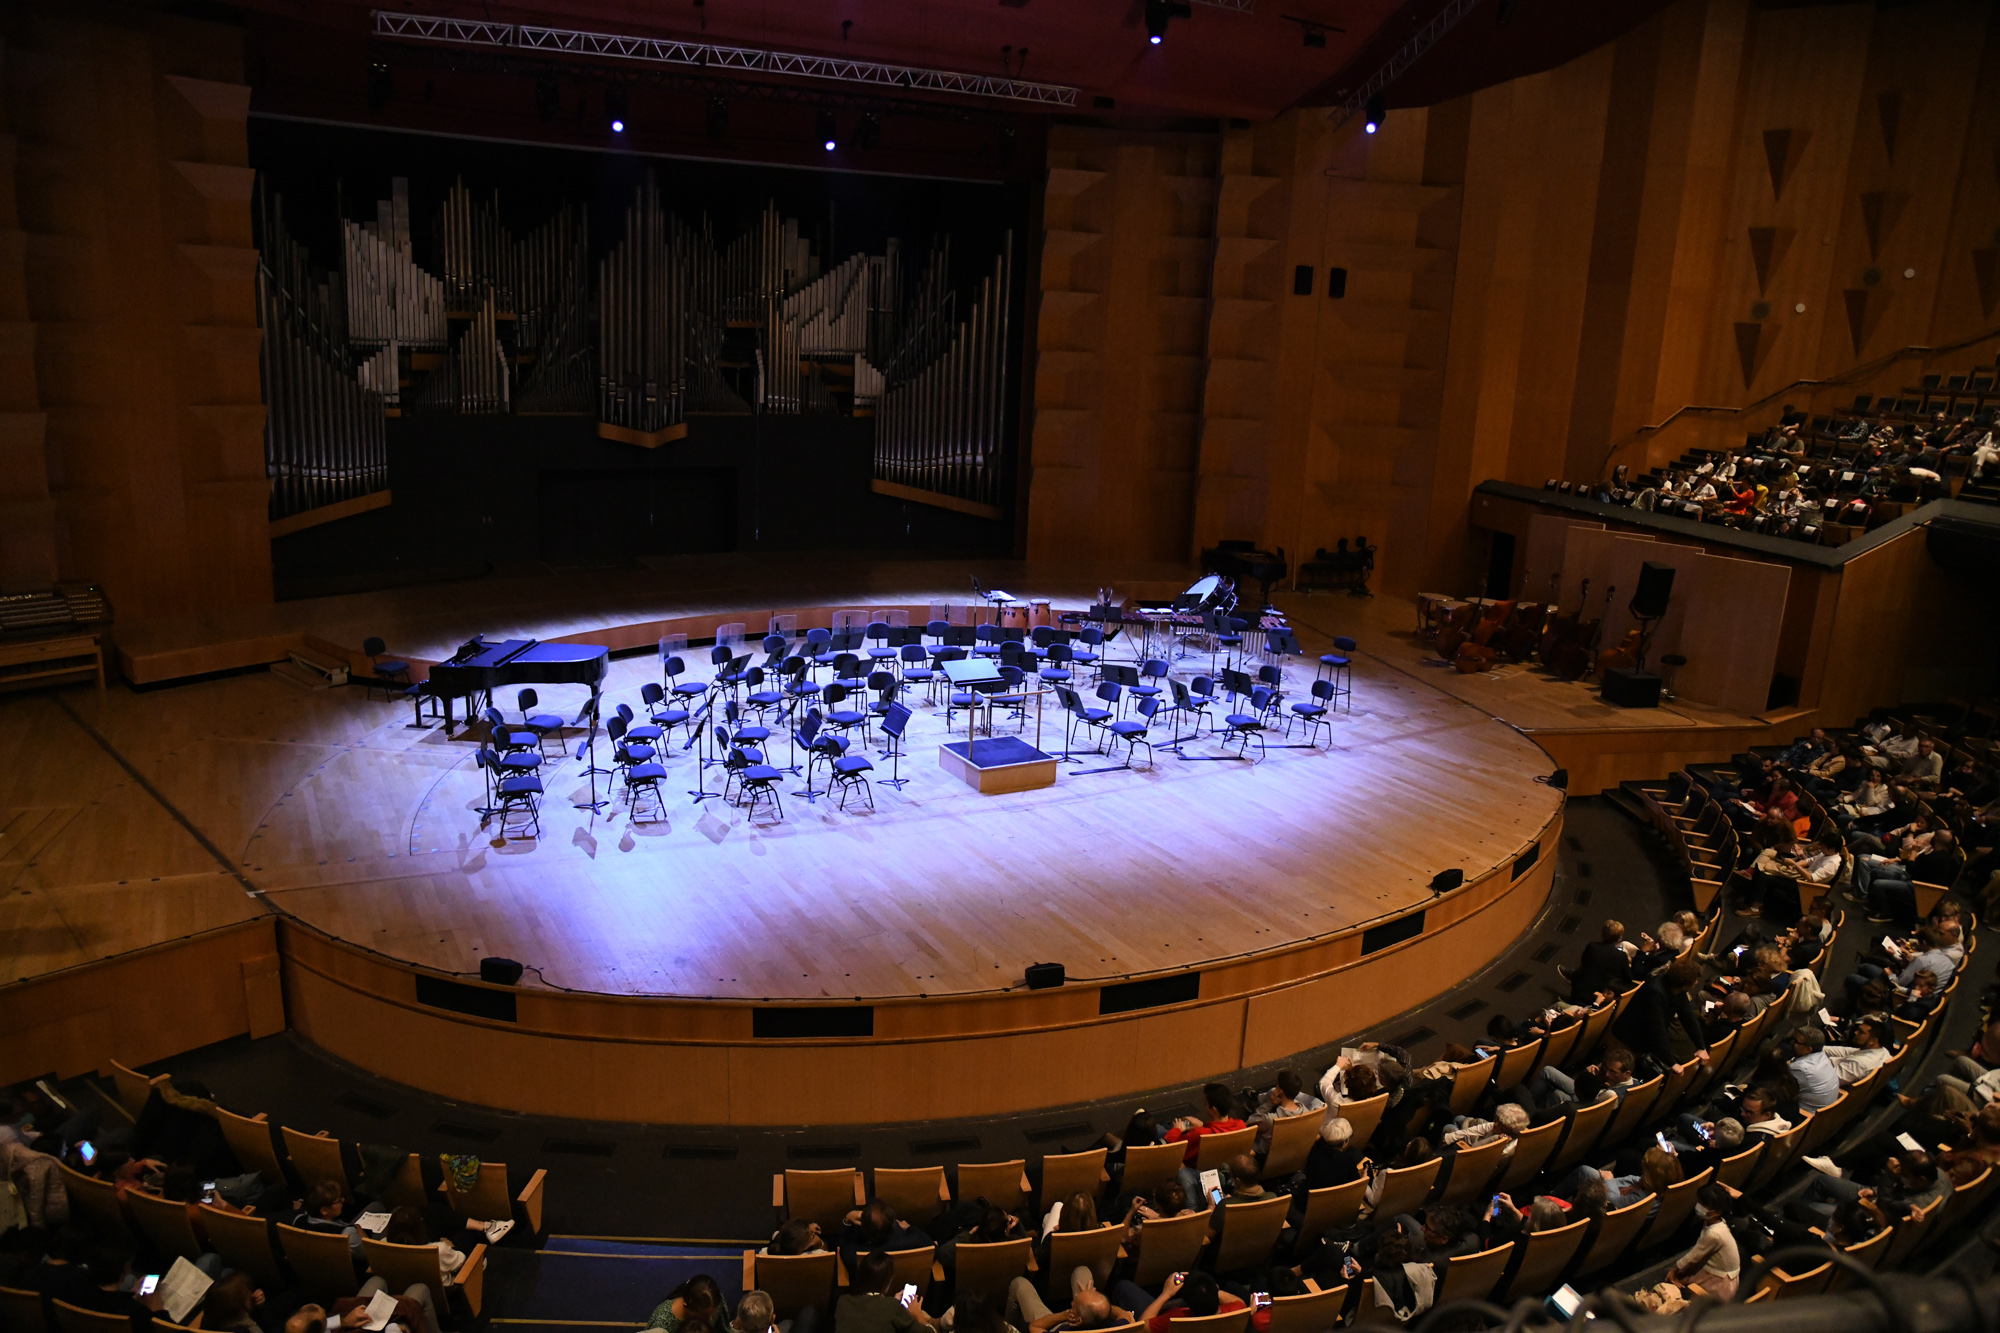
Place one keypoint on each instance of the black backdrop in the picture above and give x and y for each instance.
(479, 492)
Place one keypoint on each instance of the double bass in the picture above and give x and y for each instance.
(1457, 627)
(1575, 656)
(1561, 627)
(1477, 652)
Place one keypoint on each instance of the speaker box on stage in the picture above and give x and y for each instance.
(1629, 688)
(1656, 585)
(1044, 976)
(500, 971)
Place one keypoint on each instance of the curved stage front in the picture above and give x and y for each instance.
(857, 966)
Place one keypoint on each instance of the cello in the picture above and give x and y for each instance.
(1457, 626)
(1561, 626)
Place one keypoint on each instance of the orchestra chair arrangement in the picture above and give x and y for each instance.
(544, 725)
(1244, 727)
(755, 780)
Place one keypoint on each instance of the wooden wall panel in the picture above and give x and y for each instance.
(133, 192)
(1904, 631)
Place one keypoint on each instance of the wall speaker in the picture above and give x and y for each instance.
(1045, 976)
(1559, 779)
(1656, 585)
(1447, 880)
(1631, 688)
(499, 971)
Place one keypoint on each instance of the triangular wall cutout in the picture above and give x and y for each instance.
(1859, 324)
(1880, 211)
(1889, 106)
(1767, 250)
(1986, 272)
(1781, 152)
(1750, 350)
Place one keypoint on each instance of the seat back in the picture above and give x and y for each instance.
(76, 1319)
(1363, 1116)
(1615, 1234)
(1473, 1170)
(1867, 1253)
(1585, 1128)
(165, 1223)
(1214, 1150)
(1470, 1081)
(1472, 1277)
(1514, 1064)
(1330, 1207)
(1314, 1312)
(1229, 1321)
(1291, 1140)
(1169, 1245)
(1634, 1108)
(913, 1268)
(1407, 1187)
(796, 1281)
(244, 1242)
(21, 1311)
(985, 1270)
(916, 1193)
(1064, 1174)
(1544, 1256)
(1147, 1164)
(1556, 1047)
(96, 1201)
(403, 1266)
(406, 1186)
(489, 1199)
(1250, 1232)
(824, 1197)
(1910, 1234)
(1785, 1286)
(1531, 1150)
(321, 1260)
(134, 1088)
(1004, 1184)
(1735, 1170)
(1675, 1204)
(316, 1157)
(1095, 1249)
(1778, 1153)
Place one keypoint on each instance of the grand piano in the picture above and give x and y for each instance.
(479, 667)
(1242, 561)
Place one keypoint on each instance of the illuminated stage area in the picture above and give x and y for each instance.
(1210, 911)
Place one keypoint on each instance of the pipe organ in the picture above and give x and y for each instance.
(664, 322)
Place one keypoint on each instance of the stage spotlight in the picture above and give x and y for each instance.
(1157, 14)
(718, 117)
(1377, 109)
(381, 85)
(868, 133)
(829, 138)
(548, 100)
(615, 107)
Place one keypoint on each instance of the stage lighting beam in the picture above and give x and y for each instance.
(1377, 112)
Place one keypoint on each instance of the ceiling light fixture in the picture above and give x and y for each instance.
(1377, 110)
(828, 131)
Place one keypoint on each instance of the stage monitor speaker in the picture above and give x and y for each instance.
(1656, 585)
(501, 971)
(1560, 779)
(1630, 688)
(1045, 976)
(1447, 880)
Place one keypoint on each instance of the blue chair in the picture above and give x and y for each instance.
(818, 651)
(752, 735)
(1273, 675)
(916, 669)
(1057, 672)
(986, 641)
(663, 716)
(958, 701)
(774, 646)
(387, 674)
(847, 672)
(625, 755)
(1012, 695)
(1338, 667)
(761, 698)
(644, 780)
(1135, 731)
(1313, 714)
(1080, 712)
(939, 630)
(1091, 638)
(1201, 696)
(543, 725)
(522, 792)
(755, 779)
(885, 685)
(1243, 727)
(878, 637)
(800, 687)
(1151, 673)
(1038, 641)
(720, 657)
(842, 716)
(643, 733)
(687, 691)
(850, 771)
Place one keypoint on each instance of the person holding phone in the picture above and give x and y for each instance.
(877, 1303)
(1184, 1294)
(113, 1288)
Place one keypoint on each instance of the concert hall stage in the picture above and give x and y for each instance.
(321, 865)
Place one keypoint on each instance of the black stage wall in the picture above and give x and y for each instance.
(475, 493)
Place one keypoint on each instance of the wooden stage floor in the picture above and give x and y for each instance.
(130, 819)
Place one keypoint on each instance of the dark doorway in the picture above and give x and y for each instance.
(611, 517)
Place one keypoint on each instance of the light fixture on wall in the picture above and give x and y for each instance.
(1159, 12)
(829, 137)
(615, 107)
(1377, 110)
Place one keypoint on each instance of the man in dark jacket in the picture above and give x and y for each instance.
(1604, 966)
(1646, 1025)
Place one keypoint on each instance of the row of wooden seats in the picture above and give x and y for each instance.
(1886, 1249)
(21, 1312)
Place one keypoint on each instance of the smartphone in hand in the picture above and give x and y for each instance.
(909, 1296)
(148, 1283)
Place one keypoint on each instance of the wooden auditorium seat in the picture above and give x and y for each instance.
(1292, 1139)
(1064, 1174)
(794, 1281)
(1472, 1277)
(1169, 1245)
(1250, 1233)
(402, 1266)
(916, 1193)
(244, 1242)
(1314, 1312)
(317, 1157)
(985, 1270)
(1004, 1184)
(489, 1200)
(1147, 1164)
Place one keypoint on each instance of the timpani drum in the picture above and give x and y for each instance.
(1014, 615)
(1039, 614)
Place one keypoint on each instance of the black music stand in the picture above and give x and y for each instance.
(589, 757)
(701, 792)
(894, 719)
(591, 770)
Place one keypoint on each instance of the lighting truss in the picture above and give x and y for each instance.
(721, 59)
(1404, 56)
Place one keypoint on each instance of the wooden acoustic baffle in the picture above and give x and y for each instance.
(27, 511)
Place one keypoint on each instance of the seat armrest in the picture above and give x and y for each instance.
(778, 1191)
(530, 1200)
(749, 1270)
(471, 1278)
(861, 1194)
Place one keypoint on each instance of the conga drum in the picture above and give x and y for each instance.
(1014, 615)
(1038, 613)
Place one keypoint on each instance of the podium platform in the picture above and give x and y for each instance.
(997, 764)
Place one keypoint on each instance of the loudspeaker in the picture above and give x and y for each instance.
(1559, 779)
(501, 971)
(1044, 976)
(1631, 688)
(1447, 880)
(1656, 584)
